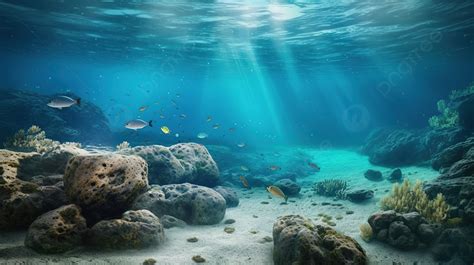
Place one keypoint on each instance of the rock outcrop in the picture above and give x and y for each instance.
(135, 230)
(230, 195)
(180, 163)
(105, 185)
(297, 240)
(57, 231)
(191, 203)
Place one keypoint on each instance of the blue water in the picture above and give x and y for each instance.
(314, 73)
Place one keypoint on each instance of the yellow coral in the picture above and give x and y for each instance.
(366, 232)
(34, 139)
(123, 145)
(405, 199)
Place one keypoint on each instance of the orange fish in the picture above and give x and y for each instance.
(313, 165)
(245, 183)
(274, 168)
(274, 190)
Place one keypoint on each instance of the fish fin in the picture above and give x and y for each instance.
(150, 123)
(78, 101)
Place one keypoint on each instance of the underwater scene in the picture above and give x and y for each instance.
(237, 132)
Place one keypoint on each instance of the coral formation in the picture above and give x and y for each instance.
(331, 188)
(404, 199)
(34, 139)
(123, 145)
(459, 93)
(448, 117)
(366, 232)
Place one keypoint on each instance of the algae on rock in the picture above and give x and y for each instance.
(405, 199)
(448, 117)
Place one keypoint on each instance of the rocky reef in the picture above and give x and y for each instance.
(297, 240)
(19, 109)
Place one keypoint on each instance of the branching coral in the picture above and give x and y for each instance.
(404, 199)
(123, 145)
(366, 232)
(331, 188)
(458, 93)
(448, 117)
(34, 139)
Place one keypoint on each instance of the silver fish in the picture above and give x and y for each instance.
(138, 124)
(63, 102)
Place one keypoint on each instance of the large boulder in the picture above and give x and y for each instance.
(180, 163)
(20, 109)
(191, 203)
(136, 229)
(297, 240)
(288, 186)
(105, 185)
(230, 195)
(57, 231)
(373, 175)
(447, 157)
(22, 201)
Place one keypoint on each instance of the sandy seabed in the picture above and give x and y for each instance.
(253, 221)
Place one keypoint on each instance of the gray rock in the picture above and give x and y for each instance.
(170, 222)
(359, 195)
(426, 233)
(135, 230)
(105, 185)
(191, 203)
(382, 220)
(57, 231)
(373, 175)
(447, 157)
(412, 220)
(296, 240)
(401, 237)
(395, 176)
(289, 187)
(230, 195)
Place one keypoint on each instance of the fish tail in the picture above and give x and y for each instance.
(150, 123)
(78, 101)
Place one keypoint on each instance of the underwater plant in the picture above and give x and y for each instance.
(331, 188)
(458, 93)
(123, 145)
(366, 232)
(405, 198)
(448, 117)
(34, 139)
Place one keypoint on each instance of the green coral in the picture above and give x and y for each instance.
(458, 93)
(331, 188)
(366, 232)
(448, 117)
(405, 198)
(34, 139)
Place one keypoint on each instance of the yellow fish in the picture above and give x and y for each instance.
(274, 190)
(245, 183)
(143, 108)
(165, 129)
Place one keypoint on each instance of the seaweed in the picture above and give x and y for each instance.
(405, 198)
(366, 232)
(331, 188)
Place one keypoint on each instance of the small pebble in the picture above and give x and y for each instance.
(247, 197)
(265, 239)
(192, 239)
(331, 223)
(264, 202)
(253, 232)
(255, 216)
(292, 201)
(198, 259)
(338, 217)
(349, 212)
(229, 230)
(229, 221)
(283, 203)
(150, 261)
(314, 204)
(386, 190)
(325, 203)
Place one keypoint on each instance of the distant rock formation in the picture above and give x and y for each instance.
(20, 109)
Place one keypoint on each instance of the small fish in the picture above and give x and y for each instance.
(177, 135)
(274, 190)
(143, 108)
(183, 116)
(241, 145)
(174, 102)
(202, 135)
(314, 165)
(244, 168)
(63, 102)
(137, 124)
(165, 129)
(245, 183)
(162, 116)
(274, 168)
(209, 118)
(231, 129)
(216, 126)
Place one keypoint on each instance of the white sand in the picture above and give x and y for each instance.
(243, 247)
